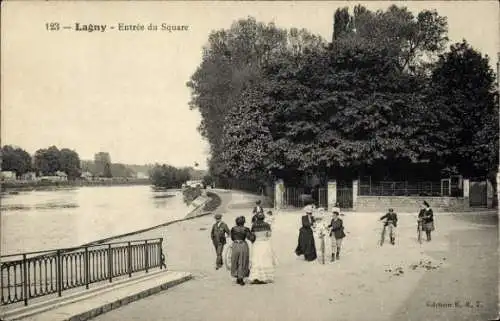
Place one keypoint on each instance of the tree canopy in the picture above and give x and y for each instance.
(16, 159)
(278, 102)
(167, 176)
(49, 160)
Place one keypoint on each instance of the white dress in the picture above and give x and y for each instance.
(262, 258)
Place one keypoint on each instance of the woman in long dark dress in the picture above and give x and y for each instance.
(427, 217)
(240, 257)
(306, 245)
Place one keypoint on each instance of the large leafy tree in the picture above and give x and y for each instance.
(167, 176)
(326, 111)
(69, 163)
(413, 41)
(465, 111)
(47, 161)
(15, 159)
(232, 61)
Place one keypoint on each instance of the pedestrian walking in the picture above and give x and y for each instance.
(219, 232)
(240, 257)
(263, 260)
(336, 235)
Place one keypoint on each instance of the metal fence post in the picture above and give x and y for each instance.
(162, 263)
(146, 250)
(129, 260)
(25, 280)
(59, 273)
(87, 268)
(110, 263)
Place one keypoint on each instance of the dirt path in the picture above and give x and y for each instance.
(364, 285)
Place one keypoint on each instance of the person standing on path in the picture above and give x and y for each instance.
(240, 256)
(306, 245)
(427, 216)
(218, 236)
(336, 234)
(269, 217)
(391, 222)
(336, 208)
(256, 211)
(262, 270)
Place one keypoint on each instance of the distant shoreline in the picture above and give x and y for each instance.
(39, 185)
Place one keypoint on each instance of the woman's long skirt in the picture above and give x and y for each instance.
(306, 245)
(263, 261)
(429, 226)
(240, 260)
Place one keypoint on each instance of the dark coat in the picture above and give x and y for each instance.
(218, 233)
(337, 229)
(306, 245)
(256, 211)
(391, 217)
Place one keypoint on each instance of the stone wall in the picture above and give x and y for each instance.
(410, 203)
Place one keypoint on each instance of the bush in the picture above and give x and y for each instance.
(190, 194)
(213, 203)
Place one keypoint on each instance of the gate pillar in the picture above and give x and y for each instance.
(489, 194)
(332, 194)
(355, 187)
(279, 191)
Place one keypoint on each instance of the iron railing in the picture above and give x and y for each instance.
(297, 197)
(403, 188)
(32, 275)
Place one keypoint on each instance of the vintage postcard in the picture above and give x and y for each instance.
(249, 160)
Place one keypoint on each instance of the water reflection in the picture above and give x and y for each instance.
(38, 220)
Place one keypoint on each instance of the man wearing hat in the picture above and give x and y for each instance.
(391, 222)
(218, 235)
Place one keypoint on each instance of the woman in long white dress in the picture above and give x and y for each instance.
(262, 258)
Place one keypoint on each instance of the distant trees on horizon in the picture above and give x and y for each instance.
(48, 161)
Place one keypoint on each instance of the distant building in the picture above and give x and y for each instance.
(8, 175)
(194, 183)
(142, 175)
(57, 177)
(29, 176)
(87, 176)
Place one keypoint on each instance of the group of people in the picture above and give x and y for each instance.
(425, 221)
(259, 268)
(306, 244)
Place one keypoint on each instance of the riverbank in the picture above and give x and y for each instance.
(13, 186)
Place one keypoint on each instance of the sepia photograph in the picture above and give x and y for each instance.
(249, 160)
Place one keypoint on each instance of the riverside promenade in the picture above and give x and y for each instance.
(455, 277)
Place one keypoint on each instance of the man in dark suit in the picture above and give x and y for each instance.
(391, 222)
(218, 236)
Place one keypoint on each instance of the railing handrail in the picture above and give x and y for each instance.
(25, 278)
(54, 251)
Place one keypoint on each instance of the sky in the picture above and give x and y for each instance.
(124, 92)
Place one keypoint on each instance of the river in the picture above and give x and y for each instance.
(43, 220)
